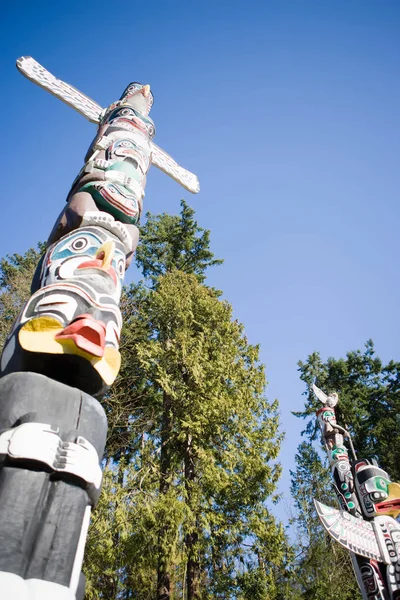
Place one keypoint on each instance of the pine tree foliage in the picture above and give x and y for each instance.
(174, 242)
(16, 273)
(189, 417)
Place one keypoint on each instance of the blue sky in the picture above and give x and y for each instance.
(288, 111)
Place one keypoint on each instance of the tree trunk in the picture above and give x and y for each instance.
(193, 565)
(163, 574)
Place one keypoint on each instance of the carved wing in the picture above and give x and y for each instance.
(34, 71)
(354, 534)
(320, 394)
(166, 163)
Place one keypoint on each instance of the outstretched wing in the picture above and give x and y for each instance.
(354, 534)
(320, 394)
(34, 71)
(166, 163)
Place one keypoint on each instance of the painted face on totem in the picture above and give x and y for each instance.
(139, 96)
(339, 452)
(128, 118)
(70, 319)
(327, 415)
(128, 148)
(89, 257)
(376, 493)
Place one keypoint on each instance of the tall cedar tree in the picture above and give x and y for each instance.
(193, 441)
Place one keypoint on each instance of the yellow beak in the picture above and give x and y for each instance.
(146, 90)
(391, 506)
(105, 253)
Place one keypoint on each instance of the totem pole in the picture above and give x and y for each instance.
(62, 353)
(369, 504)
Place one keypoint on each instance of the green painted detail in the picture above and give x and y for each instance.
(344, 486)
(351, 504)
(102, 204)
(347, 495)
(126, 167)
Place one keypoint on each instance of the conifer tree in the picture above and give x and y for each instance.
(194, 435)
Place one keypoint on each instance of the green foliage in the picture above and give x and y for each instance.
(174, 242)
(16, 273)
(193, 353)
(199, 441)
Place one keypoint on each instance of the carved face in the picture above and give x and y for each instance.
(372, 484)
(339, 452)
(139, 96)
(89, 256)
(127, 117)
(128, 148)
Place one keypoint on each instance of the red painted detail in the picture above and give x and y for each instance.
(359, 465)
(386, 505)
(87, 333)
(97, 263)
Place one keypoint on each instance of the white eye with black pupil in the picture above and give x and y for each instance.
(79, 244)
(121, 267)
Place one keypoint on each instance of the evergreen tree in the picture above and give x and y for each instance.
(16, 273)
(189, 417)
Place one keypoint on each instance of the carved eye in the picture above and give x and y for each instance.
(79, 244)
(126, 111)
(121, 267)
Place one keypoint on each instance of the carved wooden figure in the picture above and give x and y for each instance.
(369, 504)
(62, 353)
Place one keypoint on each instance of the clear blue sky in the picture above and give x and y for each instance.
(288, 111)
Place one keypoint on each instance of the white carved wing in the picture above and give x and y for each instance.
(320, 394)
(34, 71)
(352, 533)
(166, 163)
(87, 107)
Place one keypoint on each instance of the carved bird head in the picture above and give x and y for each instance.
(139, 97)
(330, 400)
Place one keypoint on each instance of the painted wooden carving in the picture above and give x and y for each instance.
(369, 503)
(62, 353)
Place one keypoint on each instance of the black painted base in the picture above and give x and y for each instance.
(43, 515)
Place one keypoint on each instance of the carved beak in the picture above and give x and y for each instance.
(391, 506)
(103, 260)
(145, 90)
(105, 254)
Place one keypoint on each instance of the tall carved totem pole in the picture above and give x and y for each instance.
(62, 354)
(369, 504)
